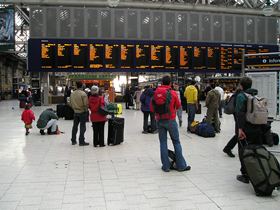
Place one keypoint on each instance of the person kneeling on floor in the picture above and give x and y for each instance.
(48, 120)
(164, 104)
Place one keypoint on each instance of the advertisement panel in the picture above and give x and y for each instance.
(7, 28)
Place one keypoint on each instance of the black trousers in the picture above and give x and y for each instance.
(79, 118)
(146, 120)
(231, 144)
(98, 133)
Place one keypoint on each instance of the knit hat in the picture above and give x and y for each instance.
(94, 89)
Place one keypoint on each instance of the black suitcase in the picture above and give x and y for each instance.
(275, 138)
(60, 110)
(68, 113)
(115, 131)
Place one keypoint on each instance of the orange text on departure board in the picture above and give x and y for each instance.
(92, 53)
(196, 52)
(183, 56)
(45, 51)
(139, 51)
(210, 52)
(154, 51)
(77, 50)
(124, 52)
(108, 51)
(168, 56)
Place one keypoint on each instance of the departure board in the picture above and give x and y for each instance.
(213, 58)
(199, 58)
(63, 59)
(171, 57)
(48, 55)
(185, 57)
(127, 56)
(88, 55)
(96, 55)
(80, 56)
(226, 59)
(237, 55)
(142, 56)
(112, 53)
(157, 56)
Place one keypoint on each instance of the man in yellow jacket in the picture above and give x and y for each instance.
(191, 94)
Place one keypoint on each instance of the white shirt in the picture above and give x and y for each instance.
(221, 91)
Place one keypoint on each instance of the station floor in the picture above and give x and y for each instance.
(47, 172)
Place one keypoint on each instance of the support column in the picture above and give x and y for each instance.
(45, 88)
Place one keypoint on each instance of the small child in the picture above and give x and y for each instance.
(27, 117)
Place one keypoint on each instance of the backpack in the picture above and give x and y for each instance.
(262, 168)
(257, 112)
(161, 101)
(205, 129)
(229, 107)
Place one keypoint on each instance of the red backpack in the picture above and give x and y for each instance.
(161, 101)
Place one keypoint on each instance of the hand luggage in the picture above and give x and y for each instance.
(60, 110)
(115, 131)
(262, 168)
(205, 129)
(68, 113)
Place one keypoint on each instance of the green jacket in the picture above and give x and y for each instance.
(45, 117)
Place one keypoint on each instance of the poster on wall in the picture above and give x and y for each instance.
(7, 25)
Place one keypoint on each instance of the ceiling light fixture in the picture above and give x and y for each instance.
(268, 9)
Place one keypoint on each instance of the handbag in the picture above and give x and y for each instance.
(102, 110)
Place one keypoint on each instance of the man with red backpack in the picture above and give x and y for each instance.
(164, 104)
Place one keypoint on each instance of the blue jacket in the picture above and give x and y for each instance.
(145, 99)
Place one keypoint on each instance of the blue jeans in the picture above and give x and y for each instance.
(79, 118)
(191, 113)
(172, 127)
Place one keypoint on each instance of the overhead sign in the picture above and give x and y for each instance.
(70, 55)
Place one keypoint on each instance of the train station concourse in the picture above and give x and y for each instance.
(139, 104)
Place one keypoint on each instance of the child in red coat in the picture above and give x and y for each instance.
(27, 117)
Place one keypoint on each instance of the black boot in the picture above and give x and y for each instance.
(42, 132)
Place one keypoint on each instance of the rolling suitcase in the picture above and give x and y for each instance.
(262, 168)
(68, 113)
(115, 131)
(60, 110)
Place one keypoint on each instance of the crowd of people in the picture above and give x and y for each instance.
(160, 107)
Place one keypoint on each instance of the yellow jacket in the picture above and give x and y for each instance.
(191, 94)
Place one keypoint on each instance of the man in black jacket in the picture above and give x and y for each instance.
(247, 133)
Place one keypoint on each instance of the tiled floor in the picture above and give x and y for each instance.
(47, 172)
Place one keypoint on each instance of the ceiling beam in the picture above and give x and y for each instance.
(144, 5)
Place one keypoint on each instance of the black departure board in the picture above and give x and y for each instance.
(144, 56)
(213, 58)
(96, 55)
(127, 56)
(157, 56)
(63, 56)
(171, 57)
(199, 58)
(226, 57)
(112, 54)
(48, 57)
(80, 56)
